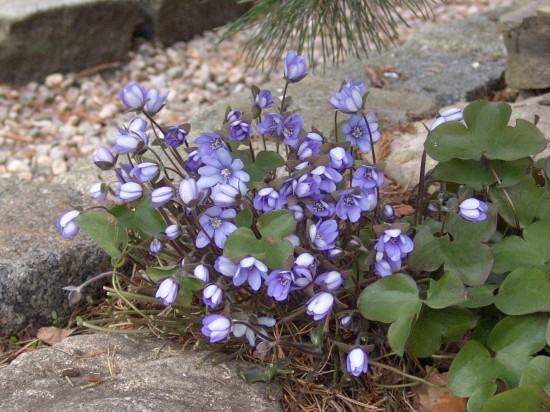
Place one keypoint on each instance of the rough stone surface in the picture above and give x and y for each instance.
(462, 60)
(134, 374)
(42, 37)
(527, 39)
(35, 261)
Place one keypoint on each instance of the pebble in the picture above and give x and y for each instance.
(46, 127)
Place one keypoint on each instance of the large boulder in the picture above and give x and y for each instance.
(35, 261)
(527, 38)
(100, 373)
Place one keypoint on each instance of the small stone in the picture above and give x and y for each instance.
(108, 111)
(59, 166)
(54, 80)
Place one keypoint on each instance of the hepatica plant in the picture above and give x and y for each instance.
(265, 234)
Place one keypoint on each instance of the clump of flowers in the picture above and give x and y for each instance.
(275, 236)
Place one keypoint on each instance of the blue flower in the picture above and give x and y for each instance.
(145, 172)
(208, 143)
(212, 295)
(104, 159)
(201, 272)
(279, 283)
(295, 67)
(367, 177)
(66, 224)
(389, 213)
(225, 266)
(357, 362)
(172, 232)
(123, 173)
(350, 97)
(320, 207)
(161, 196)
(330, 280)
(239, 130)
(222, 168)
(340, 159)
(128, 192)
(345, 321)
(289, 129)
(270, 124)
(215, 226)
(233, 116)
(351, 204)
(188, 190)
(263, 99)
(305, 185)
(358, 133)
(328, 177)
(252, 270)
(266, 199)
(323, 234)
(453, 114)
(473, 210)
(310, 146)
(320, 305)
(130, 141)
(394, 244)
(168, 291)
(225, 195)
(155, 247)
(304, 269)
(99, 191)
(175, 137)
(216, 327)
(384, 266)
(137, 98)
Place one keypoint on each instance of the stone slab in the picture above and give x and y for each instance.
(135, 374)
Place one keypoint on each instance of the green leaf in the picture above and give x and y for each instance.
(536, 235)
(471, 367)
(392, 299)
(256, 374)
(102, 227)
(537, 372)
(244, 218)
(519, 335)
(266, 161)
(524, 291)
(509, 368)
(471, 261)
(481, 394)
(548, 333)
(158, 273)
(461, 228)
(452, 140)
(276, 224)
(471, 173)
(447, 291)
(512, 253)
(427, 254)
(276, 253)
(433, 326)
(145, 220)
(524, 399)
(189, 283)
(480, 296)
(525, 196)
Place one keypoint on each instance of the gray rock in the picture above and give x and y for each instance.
(180, 20)
(527, 39)
(35, 261)
(136, 374)
(459, 61)
(40, 37)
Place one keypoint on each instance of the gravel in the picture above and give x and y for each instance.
(46, 127)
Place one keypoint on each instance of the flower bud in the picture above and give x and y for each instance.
(66, 224)
(357, 362)
(473, 210)
(168, 291)
(172, 232)
(161, 195)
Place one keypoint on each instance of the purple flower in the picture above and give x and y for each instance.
(175, 137)
(384, 266)
(104, 159)
(295, 67)
(270, 124)
(123, 173)
(145, 172)
(156, 246)
(201, 272)
(310, 146)
(225, 266)
(351, 204)
(339, 158)
(222, 168)
(168, 291)
(357, 362)
(394, 244)
(330, 280)
(66, 224)
(215, 226)
(453, 114)
(216, 327)
(389, 213)
(358, 132)
(473, 210)
(305, 186)
(367, 177)
(239, 130)
(320, 207)
(233, 116)
(328, 177)
(212, 295)
(161, 196)
(99, 191)
(350, 97)
(304, 269)
(172, 232)
(263, 99)
(135, 97)
(208, 143)
(130, 141)
(128, 192)
(225, 195)
(345, 321)
(193, 162)
(289, 129)
(266, 199)
(279, 283)
(188, 190)
(298, 212)
(323, 234)
(320, 305)
(252, 270)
